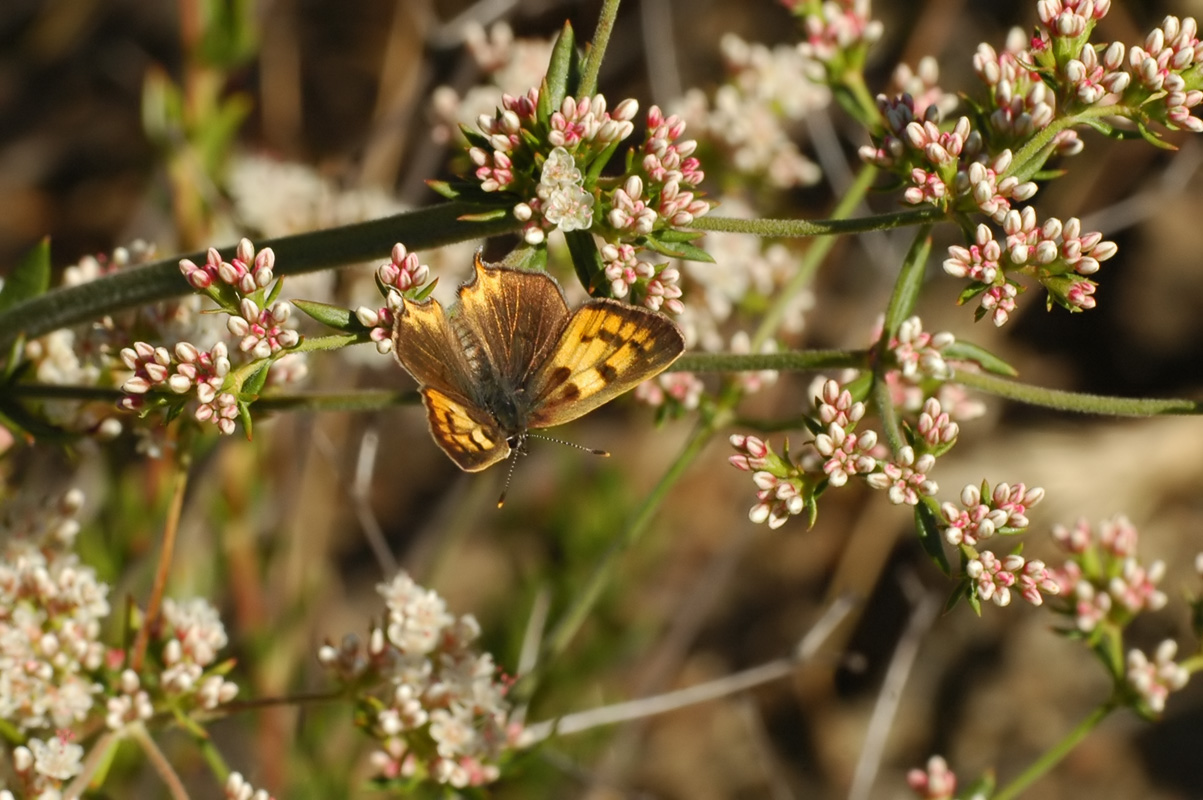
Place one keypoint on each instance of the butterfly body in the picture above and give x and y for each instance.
(511, 356)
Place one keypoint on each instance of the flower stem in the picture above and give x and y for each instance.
(821, 227)
(794, 360)
(1075, 401)
(171, 527)
(1054, 754)
(597, 48)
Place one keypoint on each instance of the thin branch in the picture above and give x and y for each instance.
(1075, 401)
(702, 692)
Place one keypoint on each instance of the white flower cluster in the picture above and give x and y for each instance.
(445, 716)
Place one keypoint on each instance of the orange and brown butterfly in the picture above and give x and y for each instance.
(511, 356)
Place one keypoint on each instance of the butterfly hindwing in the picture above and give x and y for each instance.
(606, 349)
(466, 433)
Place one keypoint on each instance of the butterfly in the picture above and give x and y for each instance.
(511, 356)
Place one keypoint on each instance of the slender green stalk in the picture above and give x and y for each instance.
(597, 48)
(1053, 755)
(1075, 401)
(798, 360)
(305, 252)
(822, 227)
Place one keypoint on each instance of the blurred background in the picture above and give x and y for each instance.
(192, 124)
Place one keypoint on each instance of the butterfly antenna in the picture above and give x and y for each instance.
(604, 453)
(509, 474)
(520, 449)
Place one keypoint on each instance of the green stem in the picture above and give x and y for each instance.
(1075, 401)
(597, 48)
(1054, 755)
(305, 252)
(822, 227)
(794, 360)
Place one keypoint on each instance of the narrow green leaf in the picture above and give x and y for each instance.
(426, 290)
(486, 216)
(586, 260)
(337, 317)
(1151, 136)
(682, 250)
(253, 385)
(968, 351)
(443, 189)
(559, 69)
(906, 288)
(678, 235)
(928, 526)
(31, 277)
(244, 415)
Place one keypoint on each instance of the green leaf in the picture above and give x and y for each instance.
(682, 250)
(244, 414)
(679, 235)
(426, 290)
(336, 317)
(599, 162)
(253, 385)
(1152, 138)
(906, 288)
(443, 189)
(485, 216)
(559, 71)
(968, 351)
(586, 260)
(928, 526)
(31, 277)
(532, 258)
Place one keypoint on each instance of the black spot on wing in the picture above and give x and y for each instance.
(570, 392)
(560, 375)
(607, 373)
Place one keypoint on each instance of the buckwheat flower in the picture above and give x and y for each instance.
(663, 291)
(993, 578)
(237, 788)
(937, 782)
(51, 612)
(979, 262)
(838, 27)
(569, 208)
(623, 268)
(198, 628)
(416, 615)
(1070, 18)
(999, 303)
(751, 452)
(834, 405)
(629, 211)
(846, 453)
(1153, 682)
(442, 716)
(905, 479)
(935, 426)
(403, 272)
(1136, 588)
(918, 353)
(58, 759)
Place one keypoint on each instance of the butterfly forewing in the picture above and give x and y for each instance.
(607, 348)
(429, 349)
(516, 317)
